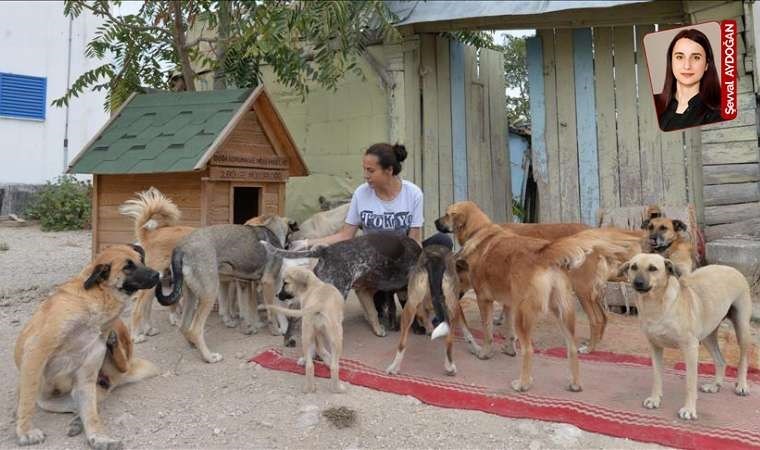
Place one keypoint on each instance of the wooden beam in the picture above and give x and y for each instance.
(716, 215)
(731, 173)
(445, 156)
(609, 178)
(567, 138)
(585, 105)
(430, 175)
(627, 117)
(726, 194)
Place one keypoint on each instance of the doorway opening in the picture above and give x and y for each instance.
(245, 203)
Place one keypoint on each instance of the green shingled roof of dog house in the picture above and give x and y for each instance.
(164, 132)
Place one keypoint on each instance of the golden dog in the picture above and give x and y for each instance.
(321, 316)
(155, 220)
(589, 280)
(664, 238)
(526, 275)
(682, 312)
(64, 343)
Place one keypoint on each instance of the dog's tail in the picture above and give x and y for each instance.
(150, 210)
(317, 252)
(177, 280)
(570, 252)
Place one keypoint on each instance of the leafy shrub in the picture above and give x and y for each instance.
(63, 205)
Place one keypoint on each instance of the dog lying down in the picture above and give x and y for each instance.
(681, 311)
(321, 316)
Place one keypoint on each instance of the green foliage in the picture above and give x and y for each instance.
(63, 205)
(516, 79)
(518, 210)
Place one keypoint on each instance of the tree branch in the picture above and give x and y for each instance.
(196, 41)
(118, 20)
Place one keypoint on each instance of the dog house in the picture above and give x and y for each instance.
(221, 156)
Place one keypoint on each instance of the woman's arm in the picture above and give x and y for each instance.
(416, 234)
(347, 232)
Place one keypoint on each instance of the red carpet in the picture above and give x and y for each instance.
(614, 388)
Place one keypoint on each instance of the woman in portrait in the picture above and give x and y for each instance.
(691, 92)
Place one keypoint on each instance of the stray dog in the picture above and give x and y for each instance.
(120, 367)
(155, 220)
(321, 316)
(65, 341)
(433, 281)
(197, 259)
(589, 280)
(526, 275)
(665, 239)
(367, 263)
(682, 312)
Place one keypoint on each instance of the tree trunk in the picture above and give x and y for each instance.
(179, 43)
(220, 80)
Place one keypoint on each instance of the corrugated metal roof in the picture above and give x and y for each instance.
(165, 132)
(419, 11)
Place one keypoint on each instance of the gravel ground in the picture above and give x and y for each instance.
(233, 404)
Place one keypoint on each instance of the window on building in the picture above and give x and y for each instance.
(22, 96)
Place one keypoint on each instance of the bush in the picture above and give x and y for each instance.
(63, 205)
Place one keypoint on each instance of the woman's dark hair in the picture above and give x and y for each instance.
(709, 86)
(388, 155)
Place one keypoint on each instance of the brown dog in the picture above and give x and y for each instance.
(678, 311)
(156, 230)
(526, 275)
(321, 316)
(65, 341)
(665, 238)
(589, 280)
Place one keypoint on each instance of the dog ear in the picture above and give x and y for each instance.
(293, 226)
(672, 268)
(678, 225)
(99, 273)
(139, 250)
(645, 224)
(623, 270)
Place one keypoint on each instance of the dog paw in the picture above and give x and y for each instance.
(573, 387)
(742, 389)
(247, 329)
(710, 387)
(380, 331)
(34, 436)
(485, 354)
(230, 323)
(652, 402)
(76, 426)
(451, 370)
(214, 358)
(274, 330)
(289, 342)
(584, 349)
(138, 338)
(174, 319)
(393, 369)
(519, 386)
(309, 388)
(152, 331)
(509, 349)
(687, 413)
(98, 442)
(337, 388)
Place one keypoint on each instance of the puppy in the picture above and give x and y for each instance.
(665, 238)
(65, 341)
(682, 312)
(321, 316)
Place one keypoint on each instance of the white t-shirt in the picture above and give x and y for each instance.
(375, 215)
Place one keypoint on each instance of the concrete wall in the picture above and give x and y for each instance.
(34, 38)
(332, 130)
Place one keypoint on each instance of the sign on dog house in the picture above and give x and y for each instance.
(221, 156)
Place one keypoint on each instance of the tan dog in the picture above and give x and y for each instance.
(321, 316)
(665, 238)
(682, 312)
(589, 280)
(120, 367)
(64, 343)
(526, 275)
(156, 230)
(433, 283)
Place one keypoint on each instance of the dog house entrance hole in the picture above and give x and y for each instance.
(245, 203)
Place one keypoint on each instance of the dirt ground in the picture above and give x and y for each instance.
(233, 404)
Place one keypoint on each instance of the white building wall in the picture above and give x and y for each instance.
(34, 41)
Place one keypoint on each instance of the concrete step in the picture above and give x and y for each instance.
(742, 253)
